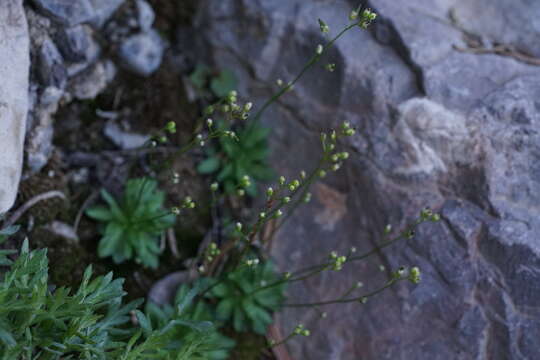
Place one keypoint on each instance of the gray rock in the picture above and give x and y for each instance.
(66, 12)
(103, 10)
(122, 138)
(146, 15)
(51, 68)
(14, 72)
(89, 83)
(438, 127)
(77, 44)
(142, 53)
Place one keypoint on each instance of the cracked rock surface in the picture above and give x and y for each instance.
(444, 95)
(14, 72)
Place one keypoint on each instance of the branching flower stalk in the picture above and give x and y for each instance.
(365, 20)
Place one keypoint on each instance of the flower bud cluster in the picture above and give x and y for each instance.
(347, 130)
(324, 27)
(301, 330)
(245, 182)
(252, 262)
(170, 127)
(367, 17)
(337, 261)
(212, 251)
(188, 203)
(427, 215)
(414, 275)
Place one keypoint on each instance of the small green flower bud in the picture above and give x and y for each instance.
(282, 180)
(333, 135)
(302, 174)
(248, 106)
(175, 210)
(233, 93)
(319, 49)
(279, 82)
(278, 213)
(388, 229)
(162, 139)
(287, 275)
(199, 137)
(324, 28)
(269, 192)
(363, 300)
(336, 167)
(262, 215)
(414, 275)
(209, 110)
(307, 198)
(240, 192)
(330, 67)
(349, 132)
(344, 155)
(322, 173)
(225, 108)
(353, 15)
(435, 217)
(171, 127)
(335, 158)
(305, 332)
(214, 186)
(209, 122)
(201, 143)
(359, 284)
(286, 200)
(238, 226)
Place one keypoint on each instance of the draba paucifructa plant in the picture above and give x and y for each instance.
(133, 225)
(282, 199)
(243, 302)
(186, 308)
(234, 159)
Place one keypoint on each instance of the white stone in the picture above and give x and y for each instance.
(14, 71)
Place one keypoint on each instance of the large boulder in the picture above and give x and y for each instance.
(445, 121)
(14, 72)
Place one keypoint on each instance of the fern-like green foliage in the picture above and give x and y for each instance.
(133, 225)
(242, 304)
(38, 322)
(232, 159)
(215, 347)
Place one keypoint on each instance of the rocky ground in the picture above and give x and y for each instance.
(444, 95)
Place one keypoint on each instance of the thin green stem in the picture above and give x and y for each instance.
(313, 60)
(355, 299)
